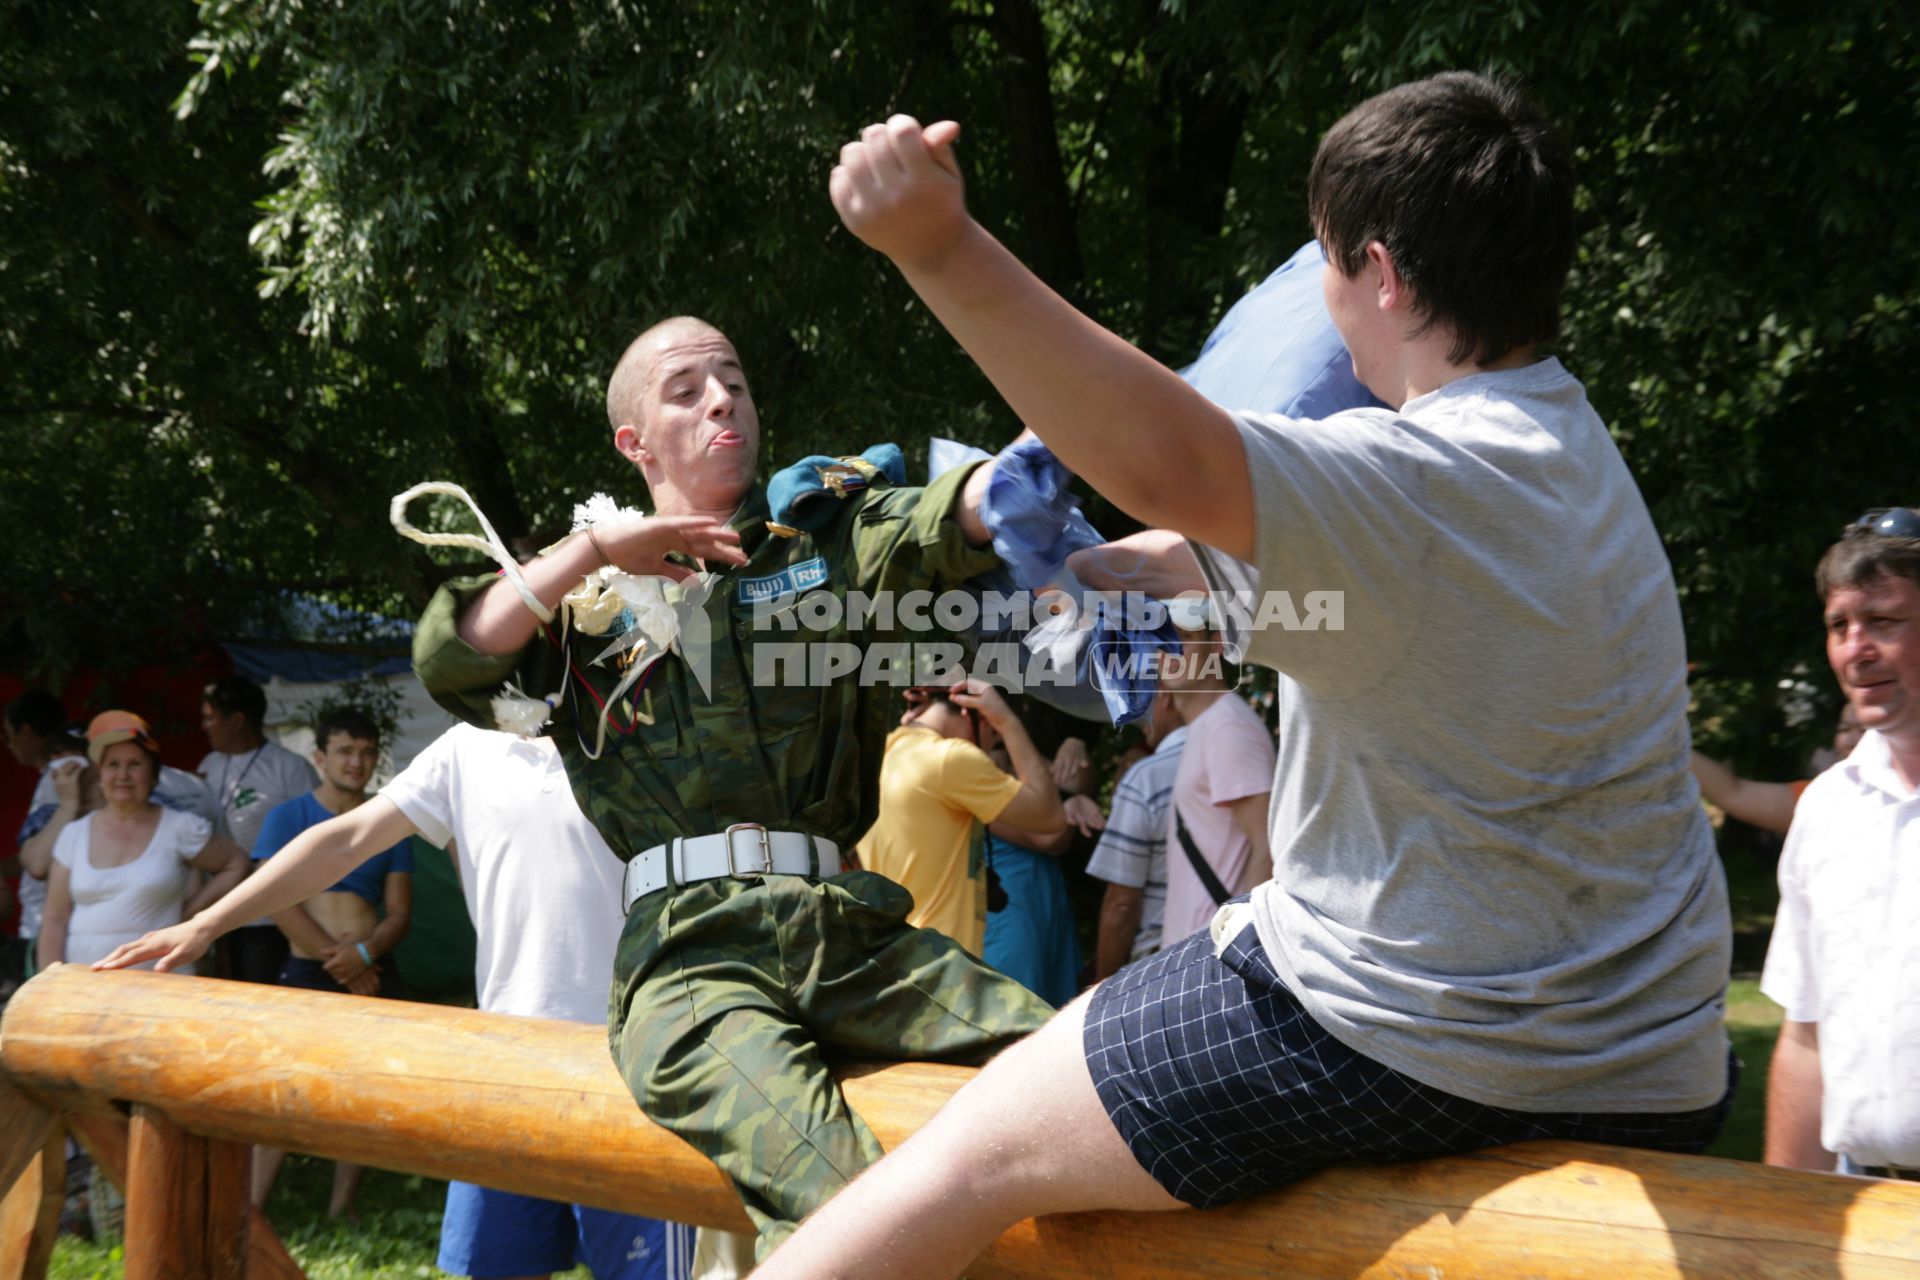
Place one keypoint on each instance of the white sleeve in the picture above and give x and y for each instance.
(1788, 977)
(71, 844)
(423, 791)
(190, 833)
(1336, 580)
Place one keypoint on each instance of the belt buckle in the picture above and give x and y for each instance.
(766, 850)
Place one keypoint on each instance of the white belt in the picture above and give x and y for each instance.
(743, 849)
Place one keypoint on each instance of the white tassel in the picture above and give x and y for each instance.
(600, 509)
(517, 713)
(489, 545)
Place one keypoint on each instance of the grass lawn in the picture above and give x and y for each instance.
(397, 1236)
(1752, 1021)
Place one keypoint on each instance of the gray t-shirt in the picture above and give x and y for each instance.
(1491, 869)
(247, 787)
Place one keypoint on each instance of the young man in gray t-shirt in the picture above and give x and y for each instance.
(1496, 912)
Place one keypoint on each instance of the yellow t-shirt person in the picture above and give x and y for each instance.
(932, 788)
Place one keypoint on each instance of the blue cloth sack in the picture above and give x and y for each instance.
(1036, 524)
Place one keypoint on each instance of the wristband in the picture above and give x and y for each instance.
(597, 548)
(365, 957)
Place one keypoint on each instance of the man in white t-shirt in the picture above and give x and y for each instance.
(544, 893)
(1496, 911)
(248, 777)
(1844, 961)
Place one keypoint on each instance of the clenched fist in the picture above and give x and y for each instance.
(899, 189)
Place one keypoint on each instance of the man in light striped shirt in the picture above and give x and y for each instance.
(1132, 854)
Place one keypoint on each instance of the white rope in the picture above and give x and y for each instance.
(489, 546)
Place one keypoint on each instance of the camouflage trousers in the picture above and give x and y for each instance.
(730, 995)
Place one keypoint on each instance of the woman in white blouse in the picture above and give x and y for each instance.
(127, 867)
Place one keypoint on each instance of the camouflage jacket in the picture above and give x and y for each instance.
(778, 750)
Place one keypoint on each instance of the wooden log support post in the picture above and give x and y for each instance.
(105, 1140)
(186, 1203)
(33, 1180)
(537, 1108)
(30, 1212)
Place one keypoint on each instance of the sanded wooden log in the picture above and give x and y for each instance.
(25, 1126)
(30, 1213)
(537, 1108)
(229, 1214)
(105, 1139)
(166, 1200)
(267, 1256)
(19, 1213)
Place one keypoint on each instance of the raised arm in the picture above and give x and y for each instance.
(1154, 562)
(70, 791)
(1137, 433)
(312, 862)
(500, 622)
(1768, 805)
(1035, 810)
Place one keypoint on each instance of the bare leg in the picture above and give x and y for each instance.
(346, 1185)
(266, 1167)
(1029, 1136)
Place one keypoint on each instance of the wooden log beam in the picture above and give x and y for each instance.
(25, 1126)
(229, 1213)
(30, 1213)
(537, 1108)
(105, 1138)
(166, 1200)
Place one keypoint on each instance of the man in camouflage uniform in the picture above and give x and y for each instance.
(728, 991)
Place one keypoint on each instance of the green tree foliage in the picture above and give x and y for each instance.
(264, 265)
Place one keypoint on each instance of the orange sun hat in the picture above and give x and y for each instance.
(110, 727)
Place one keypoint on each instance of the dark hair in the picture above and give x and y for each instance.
(229, 694)
(351, 721)
(38, 710)
(1863, 557)
(67, 740)
(1470, 190)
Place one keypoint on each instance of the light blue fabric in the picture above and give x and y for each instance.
(799, 498)
(1031, 939)
(1036, 524)
(1277, 351)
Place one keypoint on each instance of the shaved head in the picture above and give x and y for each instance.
(635, 370)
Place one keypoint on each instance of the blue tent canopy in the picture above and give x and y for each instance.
(300, 639)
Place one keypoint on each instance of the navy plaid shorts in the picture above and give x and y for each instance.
(1223, 1086)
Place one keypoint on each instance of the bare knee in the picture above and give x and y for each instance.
(1030, 1135)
